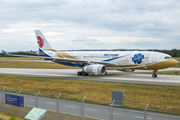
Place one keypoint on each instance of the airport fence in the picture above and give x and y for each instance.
(60, 107)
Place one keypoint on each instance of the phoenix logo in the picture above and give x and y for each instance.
(40, 41)
(138, 58)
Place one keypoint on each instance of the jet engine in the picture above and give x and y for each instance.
(96, 69)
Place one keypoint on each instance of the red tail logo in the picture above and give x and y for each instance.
(40, 41)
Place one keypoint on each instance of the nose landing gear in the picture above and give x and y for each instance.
(154, 75)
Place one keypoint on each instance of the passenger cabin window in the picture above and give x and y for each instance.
(167, 57)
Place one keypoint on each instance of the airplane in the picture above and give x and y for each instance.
(98, 62)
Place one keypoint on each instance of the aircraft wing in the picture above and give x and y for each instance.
(78, 61)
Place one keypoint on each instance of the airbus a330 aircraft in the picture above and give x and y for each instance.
(98, 62)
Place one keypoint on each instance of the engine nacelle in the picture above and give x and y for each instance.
(96, 69)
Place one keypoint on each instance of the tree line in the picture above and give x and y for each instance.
(173, 52)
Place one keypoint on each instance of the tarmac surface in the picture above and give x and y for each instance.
(112, 75)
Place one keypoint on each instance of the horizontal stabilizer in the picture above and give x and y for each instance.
(28, 56)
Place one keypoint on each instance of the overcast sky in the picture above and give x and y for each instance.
(90, 24)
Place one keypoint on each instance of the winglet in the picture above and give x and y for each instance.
(5, 52)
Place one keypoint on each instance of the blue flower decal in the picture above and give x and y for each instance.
(138, 58)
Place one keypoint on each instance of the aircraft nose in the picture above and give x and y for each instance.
(169, 63)
(174, 62)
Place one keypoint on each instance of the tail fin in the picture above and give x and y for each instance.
(41, 40)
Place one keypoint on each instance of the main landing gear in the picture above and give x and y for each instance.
(82, 73)
(154, 75)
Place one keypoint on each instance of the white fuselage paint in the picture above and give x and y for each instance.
(119, 59)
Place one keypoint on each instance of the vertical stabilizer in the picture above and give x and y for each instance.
(41, 41)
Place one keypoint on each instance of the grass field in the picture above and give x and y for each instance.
(161, 98)
(178, 59)
(7, 116)
(27, 64)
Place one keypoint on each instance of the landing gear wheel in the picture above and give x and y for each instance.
(154, 75)
(82, 73)
(79, 73)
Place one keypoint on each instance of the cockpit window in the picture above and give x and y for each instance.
(167, 57)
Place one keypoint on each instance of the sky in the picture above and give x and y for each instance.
(90, 24)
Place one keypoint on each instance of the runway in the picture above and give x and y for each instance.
(112, 76)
